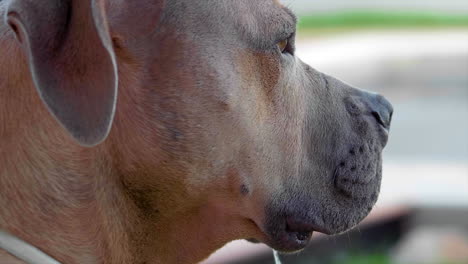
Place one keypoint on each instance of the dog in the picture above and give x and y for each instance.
(158, 131)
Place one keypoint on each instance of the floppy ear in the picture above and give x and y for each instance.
(71, 60)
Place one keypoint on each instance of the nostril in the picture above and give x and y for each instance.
(382, 110)
(379, 119)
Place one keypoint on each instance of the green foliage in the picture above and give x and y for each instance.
(380, 19)
(375, 258)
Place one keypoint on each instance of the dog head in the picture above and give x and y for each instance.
(216, 116)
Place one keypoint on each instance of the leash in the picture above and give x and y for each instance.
(24, 251)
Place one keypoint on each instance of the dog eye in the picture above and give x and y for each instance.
(282, 45)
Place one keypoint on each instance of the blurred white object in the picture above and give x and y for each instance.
(432, 245)
(369, 48)
(424, 184)
(317, 6)
(237, 250)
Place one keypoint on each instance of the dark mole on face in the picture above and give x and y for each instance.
(244, 189)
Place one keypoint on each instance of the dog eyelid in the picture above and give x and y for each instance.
(283, 44)
(286, 45)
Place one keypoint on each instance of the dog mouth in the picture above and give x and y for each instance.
(288, 228)
(286, 234)
(289, 241)
(294, 238)
(291, 216)
(293, 242)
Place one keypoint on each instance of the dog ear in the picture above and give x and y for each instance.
(71, 60)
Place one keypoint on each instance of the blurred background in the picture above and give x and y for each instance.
(415, 52)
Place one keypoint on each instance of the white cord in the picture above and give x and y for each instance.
(23, 250)
(277, 258)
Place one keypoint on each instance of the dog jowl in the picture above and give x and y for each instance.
(177, 126)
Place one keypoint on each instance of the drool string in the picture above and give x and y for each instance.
(277, 258)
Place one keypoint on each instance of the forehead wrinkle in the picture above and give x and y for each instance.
(264, 22)
(291, 14)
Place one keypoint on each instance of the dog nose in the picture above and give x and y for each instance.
(365, 103)
(381, 109)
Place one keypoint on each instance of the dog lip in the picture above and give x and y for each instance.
(284, 240)
(293, 241)
(289, 241)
